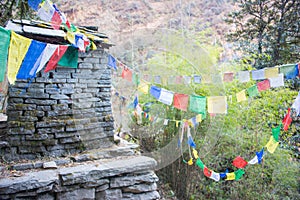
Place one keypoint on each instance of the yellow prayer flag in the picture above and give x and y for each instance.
(199, 118)
(190, 162)
(18, 48)
(144, 87)
(93, 46)
(71, 37)
(195, 153)
(230, 176)
(271, 72)
(177, 123)
(164, 80)
(217, 104)
(272, 144)
(241, 96)
(206, 78)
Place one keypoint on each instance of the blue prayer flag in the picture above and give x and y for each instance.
(155, 91)
(135, 102)
(191, 142)
(112, 62)
(260, 155)
(34, 4)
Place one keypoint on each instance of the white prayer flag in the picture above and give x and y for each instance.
(166, 96)
(258, 74)
(47, 53)
(296, 104)
(215, 176)
(253, 161)
(244, 76)
(277, 81)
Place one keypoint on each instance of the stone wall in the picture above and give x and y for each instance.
(61, 112)
(127, 178)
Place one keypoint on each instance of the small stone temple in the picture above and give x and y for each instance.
(58, 139)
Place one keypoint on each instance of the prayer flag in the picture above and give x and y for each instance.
(136, 79)
(216, 78)
(46, 11)
(228, 76)
(271, 72)
(277, 81)
(241, 96)
(239, 162)
(197, 79)
(296, 104)
(191, 141)
(56, 21)
(197, 104)
(287, 120)
(34, 4)
(171, 80)
(181, 101)
(206, 78)
(260, 155)
(230, 176)
(195, 153)
(46, 55)
(147, 77)
(258, 74)
(187, 79)
(112, 62)
(17, 51)
(155, 91)
(272, 144)
(199, 118)
(178, 80)
(164, 80)
(207, 172)
(199, 163)
(238, 174)
(223, 175)
(127, 74)
(4, 46)
(217, 104)
(252, 91)
(34, 51)
(157, 79)
(71, 37)
(289, 71)
(276, 132)
(70, 58)
(215, 176)
(263, 85)
(135, 102)
(253, 160)
(166, 97)
(166, 121)
(244, 76)
(144, 87)
(59, 52)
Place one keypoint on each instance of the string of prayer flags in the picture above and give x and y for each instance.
(127, 74)
(272, 144)
(252, 91)
(4, 46)
(34, 4)
(181, 101)
(197, 104)
(277, 81)
(271, 72)
(287, 120)
(263, 85)
(296, 104)
(238, 174)
(258, 74)
(57, 55)
(70, 58)
(166, 96)
(34, 51)
(143, 87)
(239, 162)
(217, 104)
(244, 76)
(258, 157)
(155, 91)
(228, 77)
(111, 62)
(241, 96)
(47, 54)
(17, 51)
(197, 79)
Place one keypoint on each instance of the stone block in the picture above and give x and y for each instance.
(81, 193)
(140, 188)
(43, 108)
(148, 195)
(50, 80)
(69, 140)
(85, 65)
(37, 137)
(50, 165)
(91, 60)
(21, 107)
(82, 95)
(72, 80)
(16, 100)
(50, 123)
(37, 91)
(110, 194)
(21, 167)
(46, 196)
(41, 102)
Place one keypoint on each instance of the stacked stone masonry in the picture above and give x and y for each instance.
(129, 178)
(61, 112)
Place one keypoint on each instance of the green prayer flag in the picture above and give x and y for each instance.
(276, 133)
(286, 69)
(70, 58)
(199, 163)
(252, 91)
(4, 45)
(238, 174)
(136, 79)
(197, 104)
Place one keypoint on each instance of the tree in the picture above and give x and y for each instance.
(267, 30)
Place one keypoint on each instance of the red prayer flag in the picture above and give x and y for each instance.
(59, 52)
(263, 85)
(178, 79)
(127, 74)
(181, 101)
(287, 120)
(228, 77)
(207, 172)
(239, 162)
(56, 21)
